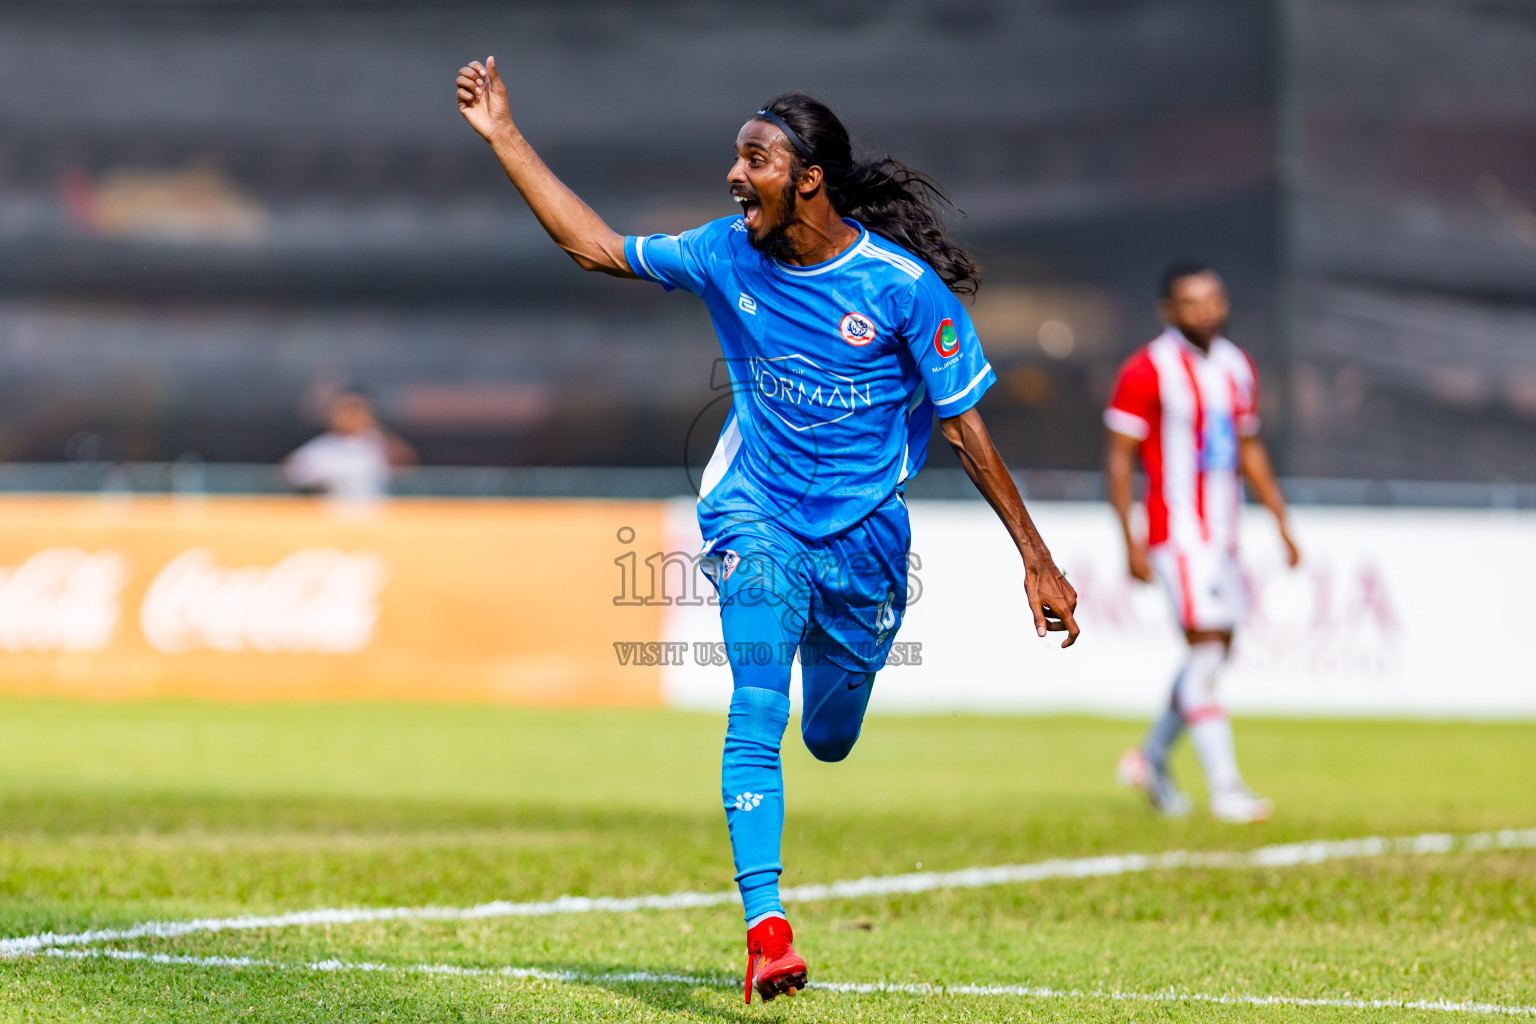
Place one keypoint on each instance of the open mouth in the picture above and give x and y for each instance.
(751, 209)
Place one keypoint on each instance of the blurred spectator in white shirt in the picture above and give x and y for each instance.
(353, 461)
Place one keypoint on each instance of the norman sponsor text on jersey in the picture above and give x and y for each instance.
(773, 381)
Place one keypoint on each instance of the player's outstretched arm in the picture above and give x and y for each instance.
(570, 222)
(1119, 465)
(1051, 597)
(1253, 460)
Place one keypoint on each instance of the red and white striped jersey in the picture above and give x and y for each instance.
(1188, 409)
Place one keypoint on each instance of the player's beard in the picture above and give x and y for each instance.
(774, 242)
(1203, 338)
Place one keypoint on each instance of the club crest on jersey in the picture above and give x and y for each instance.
(857, 329)
(945, 341)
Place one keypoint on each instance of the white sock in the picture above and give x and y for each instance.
(1209, 730)
(760, 918)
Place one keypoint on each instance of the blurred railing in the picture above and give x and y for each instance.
(191, 478)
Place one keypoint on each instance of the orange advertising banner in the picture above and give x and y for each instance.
(516, 601)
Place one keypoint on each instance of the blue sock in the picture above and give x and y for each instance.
(752, 783)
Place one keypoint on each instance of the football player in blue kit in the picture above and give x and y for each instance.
(833, 294)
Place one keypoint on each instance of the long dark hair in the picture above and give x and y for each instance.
(886, 196)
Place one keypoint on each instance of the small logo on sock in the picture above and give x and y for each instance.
(747, 801)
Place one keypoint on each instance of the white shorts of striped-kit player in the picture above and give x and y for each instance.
(1204, 582)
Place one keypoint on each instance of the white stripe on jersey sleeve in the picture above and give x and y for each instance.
(901, 257)
(917, 268)
(640, 255)
(906, 263)
(900, 263)
(968, 388)
(1127, 423)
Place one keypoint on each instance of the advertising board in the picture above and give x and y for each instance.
(1393, 612)
(264, 598)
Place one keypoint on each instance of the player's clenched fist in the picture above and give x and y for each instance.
(483, 99)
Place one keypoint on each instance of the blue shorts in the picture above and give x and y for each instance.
(840, 599)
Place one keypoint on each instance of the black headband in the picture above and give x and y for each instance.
(789, 133)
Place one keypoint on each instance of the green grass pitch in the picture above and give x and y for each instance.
(117, 814)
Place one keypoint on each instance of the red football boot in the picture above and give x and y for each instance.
(773, 966)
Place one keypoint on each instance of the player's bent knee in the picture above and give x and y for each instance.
(832, 726)
(830, 744)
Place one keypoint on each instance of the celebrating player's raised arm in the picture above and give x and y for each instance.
(1051, 597)
(570, 222)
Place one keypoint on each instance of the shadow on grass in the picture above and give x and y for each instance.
(672, 989)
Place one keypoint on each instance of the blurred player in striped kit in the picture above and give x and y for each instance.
(1186, 403)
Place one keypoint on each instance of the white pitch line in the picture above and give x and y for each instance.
(1277, 856)
(841, 987)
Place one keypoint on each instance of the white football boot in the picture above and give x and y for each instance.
(1240, 806)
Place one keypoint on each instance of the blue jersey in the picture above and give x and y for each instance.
(836, 371)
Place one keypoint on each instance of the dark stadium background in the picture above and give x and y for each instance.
(214, 214)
